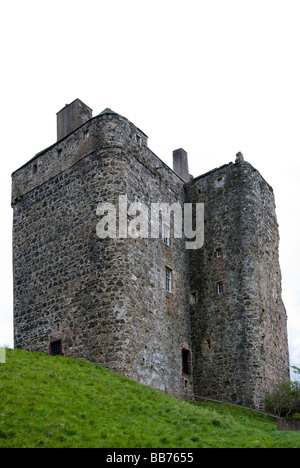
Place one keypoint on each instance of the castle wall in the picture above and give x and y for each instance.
(221, 330)
(159, 319)
(105, 299)
(239, 322)
(65, 277)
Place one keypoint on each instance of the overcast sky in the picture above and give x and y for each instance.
(211, 76)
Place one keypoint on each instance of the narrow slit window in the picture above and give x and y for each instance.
(35, 168)
(186, 362)
(219, 252)
(169, 279)
(208, 343)
(220, 287)
(86, 135)
(194, 298)
(166, 235)
(220, 182)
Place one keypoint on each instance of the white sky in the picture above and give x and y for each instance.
(212, 76)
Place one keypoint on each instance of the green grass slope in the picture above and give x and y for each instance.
(61, 402)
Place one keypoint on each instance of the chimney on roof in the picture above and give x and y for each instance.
(181, 165)
(71, 117)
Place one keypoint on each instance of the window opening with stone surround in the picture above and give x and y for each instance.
(186, 362)
(169, 278)
(56, 348)
(218, 252)
(220, 287)
(166, 235)
(220, 182)
(208, 343)
(194, 298)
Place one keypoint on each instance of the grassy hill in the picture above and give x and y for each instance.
(61, 402)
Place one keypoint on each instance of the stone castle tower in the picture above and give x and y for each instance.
(207, 322)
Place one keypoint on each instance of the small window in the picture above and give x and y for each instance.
(220, 182)
(35, 168)
(169, 275)
(166, 235)
(60, 153)
(194, 298)
(56, 348)
(208, 343)
(220, 287)
(86, 135)
(218, 253)
(186, 362)
(139, 140)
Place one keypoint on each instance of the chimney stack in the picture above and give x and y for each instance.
(181, 165)
(71, 117)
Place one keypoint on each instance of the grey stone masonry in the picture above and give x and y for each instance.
(239, 329)
(207, 322)
(71, 117)
(180, 164)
